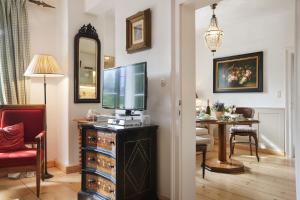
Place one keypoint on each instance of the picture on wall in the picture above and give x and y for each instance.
(241, 73)
(138, 31)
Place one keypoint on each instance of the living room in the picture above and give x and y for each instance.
(52, 31)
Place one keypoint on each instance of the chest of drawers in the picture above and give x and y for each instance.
(118, 164)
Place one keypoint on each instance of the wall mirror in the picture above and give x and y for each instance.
(87, 66)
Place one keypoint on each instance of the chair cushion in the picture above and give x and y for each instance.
(12, 138)
(201, 131)
(18, 158)
(242, 129)
(202, 140)
(33, 120)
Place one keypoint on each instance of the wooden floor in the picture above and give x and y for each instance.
(61, 187)
(273, 178)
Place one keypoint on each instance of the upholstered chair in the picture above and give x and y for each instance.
(31, 156)
(242, 130)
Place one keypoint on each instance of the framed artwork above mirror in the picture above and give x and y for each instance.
(87, 65)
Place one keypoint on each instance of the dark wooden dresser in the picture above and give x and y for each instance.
(117, 163)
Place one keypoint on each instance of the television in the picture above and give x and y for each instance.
(125, 87)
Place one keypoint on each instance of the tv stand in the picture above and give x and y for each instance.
(127, 113)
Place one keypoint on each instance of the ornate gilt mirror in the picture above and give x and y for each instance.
(87, 66)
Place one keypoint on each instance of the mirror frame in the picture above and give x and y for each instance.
(86, 31)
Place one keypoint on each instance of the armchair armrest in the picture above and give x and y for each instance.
(40, 139)
(40, 136)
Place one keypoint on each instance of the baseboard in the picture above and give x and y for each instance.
(260, 150)
(50, 163)
(67, 169)
(160, 197)
(265, 151)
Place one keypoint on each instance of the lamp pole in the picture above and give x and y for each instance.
(46, 175)
(43, 65)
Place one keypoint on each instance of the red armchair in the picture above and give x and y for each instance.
(28, 159)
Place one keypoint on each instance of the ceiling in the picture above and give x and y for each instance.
(98, 7)
(228, 10)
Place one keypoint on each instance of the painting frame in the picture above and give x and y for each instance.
(138, 31)
(250, 64)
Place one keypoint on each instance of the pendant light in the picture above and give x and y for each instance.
(214, 35)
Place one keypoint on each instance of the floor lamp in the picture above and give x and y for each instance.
(44, 66)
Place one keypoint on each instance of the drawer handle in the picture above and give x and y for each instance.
(92, 138)
(111, 191)
(91, 159)
(112, 166)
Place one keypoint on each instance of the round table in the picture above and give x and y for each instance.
(222, 164)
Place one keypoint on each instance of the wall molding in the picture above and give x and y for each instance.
(271, 130)
(67, 169)
(161, 197)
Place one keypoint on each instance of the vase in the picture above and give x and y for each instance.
(219, 114)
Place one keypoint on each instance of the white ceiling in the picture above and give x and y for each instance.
(98, 7)
(228, 10)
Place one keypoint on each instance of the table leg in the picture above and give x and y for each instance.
(221, 164)
(222, 143)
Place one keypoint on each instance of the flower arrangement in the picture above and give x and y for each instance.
(238, 76)
(218, 107)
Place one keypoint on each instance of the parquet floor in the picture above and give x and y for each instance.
(273, 178)
(60, 187)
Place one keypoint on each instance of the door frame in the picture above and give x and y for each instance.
(183, 89)
(290, 99)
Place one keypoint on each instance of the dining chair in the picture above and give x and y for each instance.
(242, 130)
(203, 139)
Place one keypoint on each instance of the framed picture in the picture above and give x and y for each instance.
(138, 31)
(242, 73)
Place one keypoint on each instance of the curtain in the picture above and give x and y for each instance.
(14, 51)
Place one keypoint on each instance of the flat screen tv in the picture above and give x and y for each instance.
(125, 87)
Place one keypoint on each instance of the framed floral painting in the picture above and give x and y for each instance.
(138, 31)
(241, 73)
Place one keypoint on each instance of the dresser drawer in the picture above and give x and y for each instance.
(100, 185)
(103, 140)
(91, 138)
(106, 141)
(101, 163)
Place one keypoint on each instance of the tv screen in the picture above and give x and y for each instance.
(125, 87)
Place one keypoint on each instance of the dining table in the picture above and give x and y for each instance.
(222, 164)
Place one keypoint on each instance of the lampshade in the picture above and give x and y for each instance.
(43, 65)
(213, 36)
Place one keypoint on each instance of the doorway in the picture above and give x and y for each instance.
(183, 141)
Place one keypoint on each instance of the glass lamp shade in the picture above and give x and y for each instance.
(213, 36)
(43, 65)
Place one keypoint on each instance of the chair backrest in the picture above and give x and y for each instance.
(32, 116)
(246, 112)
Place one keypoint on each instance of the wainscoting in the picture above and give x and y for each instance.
(271, 129)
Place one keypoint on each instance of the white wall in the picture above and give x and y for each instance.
(52, 31)
(159, 67)
(44, 26)
(109, 33)
(296, 135)
(249, 26)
